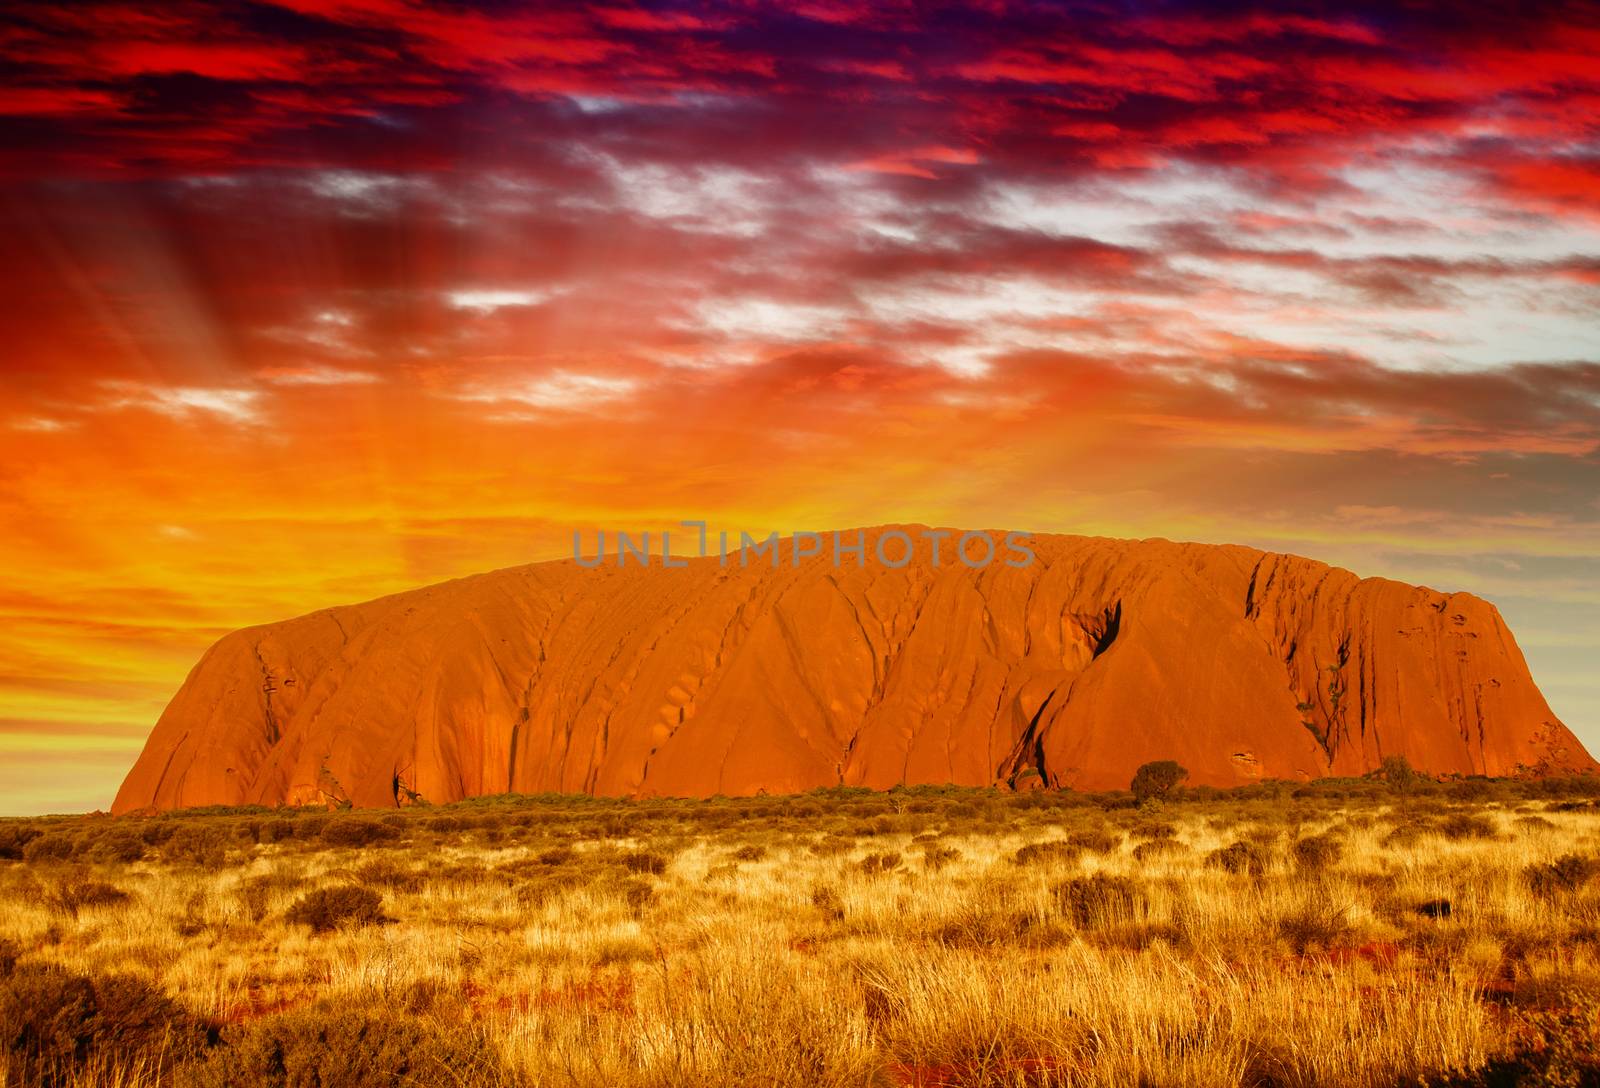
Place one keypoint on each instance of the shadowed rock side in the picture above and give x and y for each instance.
(1101, 655)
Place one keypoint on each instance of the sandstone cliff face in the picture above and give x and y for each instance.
(1099, 656)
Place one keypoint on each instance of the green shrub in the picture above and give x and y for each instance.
(53, 1022)
(333, 1046)
(327, 909)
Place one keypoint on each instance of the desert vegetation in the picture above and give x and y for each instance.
(1385, 932)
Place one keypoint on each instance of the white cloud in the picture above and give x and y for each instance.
(40, 424)
(185, 402)
(558, 391)
(316, 375)
(488, 300)
(768, 319)
(710, 199)
(363, 191)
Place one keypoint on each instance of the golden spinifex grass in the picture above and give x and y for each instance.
(1321, 936)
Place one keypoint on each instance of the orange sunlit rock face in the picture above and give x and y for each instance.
(727, 678)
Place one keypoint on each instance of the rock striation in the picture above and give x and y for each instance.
(720, 678)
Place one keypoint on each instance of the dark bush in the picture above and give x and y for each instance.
(1314, 925)
(1407, 834)
(1568, 873)
(826, 898)
(935, 858)
(51, 846)
(1154, 832)
(14, 838)
(645, 861)
(829, 845)
(255, 897)
(386, 873)
(1397, 774)
(329, 908)
(72, 892)
(1466, 826)
(751, 852)
(348, 832)
(1549, 1047)
(559, 855)
(1155, 781)
(1045, 853)
(10, 953)
(156, 832)
(1470, 789)
(1098, 900)
(1241, 857)
(332, 1046)
(878, 864)
(1095, 840)
(1149, 851)
(119, 847)
(1317, 852)
(637, 894)
(197, 844)
(53, 1021)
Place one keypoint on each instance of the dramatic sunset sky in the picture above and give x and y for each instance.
(310, 301)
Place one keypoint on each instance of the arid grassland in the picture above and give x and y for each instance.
(1340, 933)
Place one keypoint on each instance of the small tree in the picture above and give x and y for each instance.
(1397, 773)
(1154, 781)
